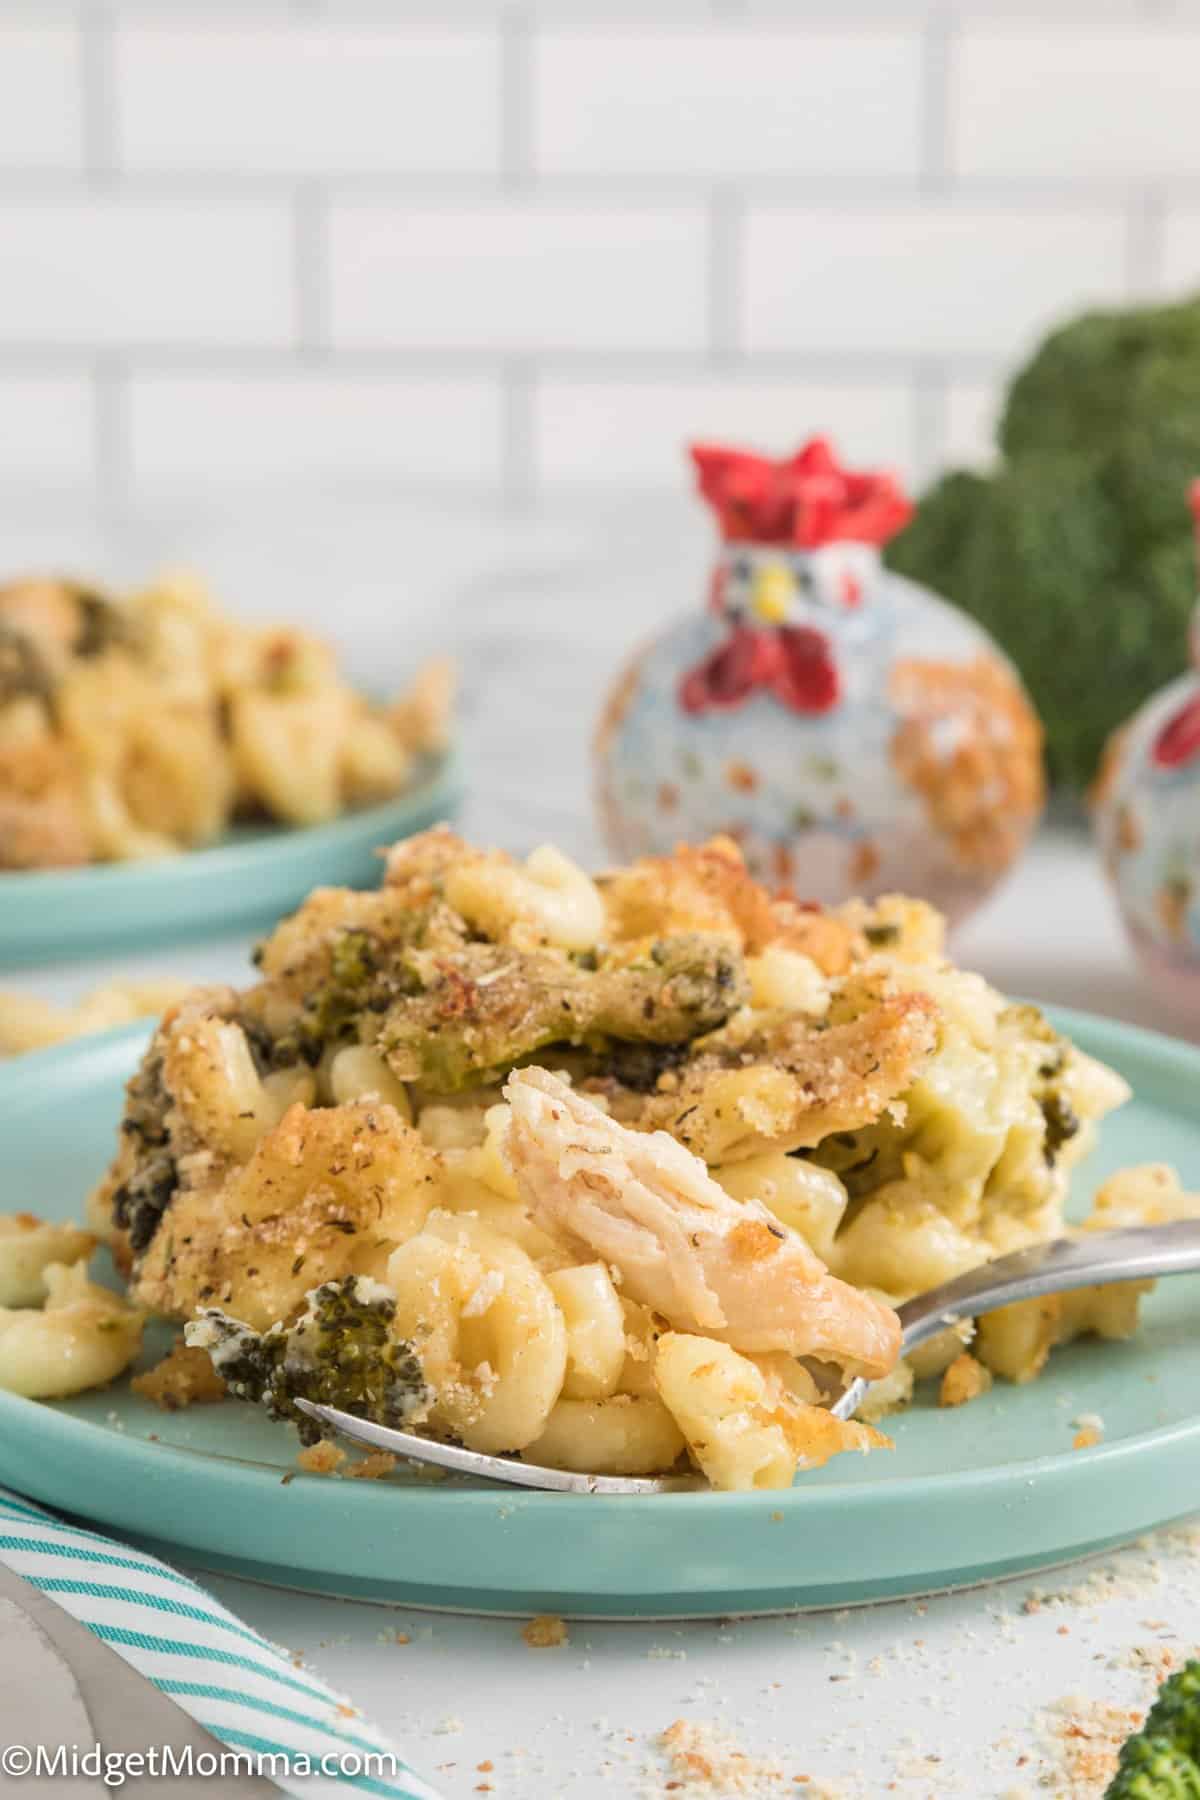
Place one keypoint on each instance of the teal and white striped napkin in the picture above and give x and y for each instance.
(241, 1689)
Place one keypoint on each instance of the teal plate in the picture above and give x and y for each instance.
(988, 1490)
(249, 878)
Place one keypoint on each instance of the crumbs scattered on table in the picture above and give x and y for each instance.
(705, 1761)
(1156, 1660)
(1083, 1738)
(545, 1632)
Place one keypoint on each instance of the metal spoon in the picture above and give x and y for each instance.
(1134, 1254)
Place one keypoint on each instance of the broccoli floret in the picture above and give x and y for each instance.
(329, 1012)
(339, 1352)
(1153, 1768)
(1162, 1760)
(1176, 1712)
(143, 1197)
(1081, 385)
(1076, 552)
(1062, 1123)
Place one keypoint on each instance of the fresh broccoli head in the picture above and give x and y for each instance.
(339, 1352)
(1176, 1712)
(1076, 551)
(1162, 1760)
(1153, 1768)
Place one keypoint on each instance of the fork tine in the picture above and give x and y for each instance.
(503, 1470)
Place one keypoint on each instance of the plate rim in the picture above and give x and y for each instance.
(105, 880)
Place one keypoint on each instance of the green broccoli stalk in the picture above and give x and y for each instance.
(1153, 1768)
(1162, 1760)
(1076, 551)
(339, 1352)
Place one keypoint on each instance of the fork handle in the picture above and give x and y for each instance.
(1135, 1253)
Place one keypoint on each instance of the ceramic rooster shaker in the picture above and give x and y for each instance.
(853, 732)
(1146, 808)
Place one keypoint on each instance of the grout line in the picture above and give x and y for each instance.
(310, 269)
(518, 463)
(1145, 240)
(937, 50)
(98, 99)
(852, 367)
(110, 433)
(516, 99)
(650, 192)
(858, 16)
(724, 274)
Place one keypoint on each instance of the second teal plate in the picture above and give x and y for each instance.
(250, 878)
(990, 1489)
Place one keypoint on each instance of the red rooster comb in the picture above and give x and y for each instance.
(803, 500)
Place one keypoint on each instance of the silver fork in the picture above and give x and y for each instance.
(1133, 1254)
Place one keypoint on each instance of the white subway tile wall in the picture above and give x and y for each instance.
(121, 269)
(516, 276)
(312, 426)
(623, 433)
(723, 102)
(41, 75)
(534, 246)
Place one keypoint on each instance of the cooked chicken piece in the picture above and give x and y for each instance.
(710, 1264)
(709, 888)
(787, 1087)
(486, 1006)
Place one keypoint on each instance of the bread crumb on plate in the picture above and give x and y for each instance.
(321, 1459)
(184, 1377)
(545, 1632)
(965, 1379)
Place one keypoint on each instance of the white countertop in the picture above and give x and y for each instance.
(541, 611)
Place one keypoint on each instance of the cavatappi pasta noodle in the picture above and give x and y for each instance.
(617, 1171)
(138, 726)
(59, 1332)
